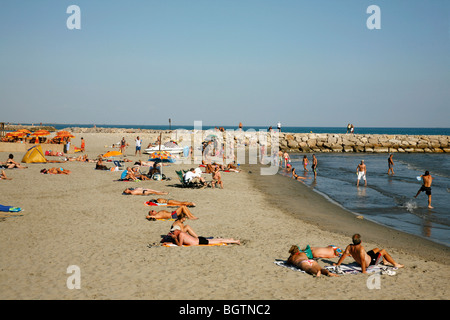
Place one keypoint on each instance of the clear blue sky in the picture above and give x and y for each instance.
(304, 63)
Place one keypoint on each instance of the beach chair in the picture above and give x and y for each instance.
(184, 184)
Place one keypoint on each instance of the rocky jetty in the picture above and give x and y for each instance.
(314, 142)
(323, 142)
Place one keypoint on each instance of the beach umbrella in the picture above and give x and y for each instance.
(40, 133)
(64, 134)
(112, 154)
(15, 134)
(26, 131)
(161, 156)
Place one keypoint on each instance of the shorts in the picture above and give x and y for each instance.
(426, 189)
(138, 148)
(375, 258)
(361, 174)
(313, 167)
(203, 240)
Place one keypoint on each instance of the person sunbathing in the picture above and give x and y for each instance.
(11, 163)
(366, 259)
(55, 171)
(164, 214)
(3, 176)
(299, 259)
(183, 238)
(173, 203)
(322, 252)
(181, 218)
(142, 191)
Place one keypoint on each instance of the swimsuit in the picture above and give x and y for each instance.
(307, 251)
(203, 240)
(426, 189)
(337, 251)
(174, 214)
(309, 261)
(374, 257)
(361, 174)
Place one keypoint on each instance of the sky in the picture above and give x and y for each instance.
(303, 63)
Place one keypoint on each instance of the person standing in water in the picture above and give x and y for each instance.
(390, 164)
(426, 186)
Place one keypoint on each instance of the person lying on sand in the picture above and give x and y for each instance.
(56, 171)
(164, 214)
(173, 203)
(81, 158)
(142, 191)
(299, 259)
(366, 259)
(183, 238)
(322, 252)
(3, 176)
(181, 218)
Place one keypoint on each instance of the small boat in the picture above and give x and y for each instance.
(169, 146)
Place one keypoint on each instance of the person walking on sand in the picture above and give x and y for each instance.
(366, 259)
(426, 186)
(123, 145)
(83, 145)
(138, 146)
(361, 171)
(390, 164)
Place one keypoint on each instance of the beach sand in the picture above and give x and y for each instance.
(83, 219)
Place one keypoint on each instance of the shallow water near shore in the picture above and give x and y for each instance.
(387, 199)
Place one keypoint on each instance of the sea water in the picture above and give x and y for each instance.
(387, 199)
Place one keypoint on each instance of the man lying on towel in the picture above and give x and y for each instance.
(183, 238)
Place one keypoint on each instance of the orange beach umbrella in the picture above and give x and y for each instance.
(40, 133)
(15, 134)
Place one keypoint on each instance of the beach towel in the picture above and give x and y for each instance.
(285, 264)
(9, 208)
(354, 268)
(151, 203)
(343, 269)
(154, 219)
(199, 245)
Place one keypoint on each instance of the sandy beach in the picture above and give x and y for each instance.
(83, 219)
